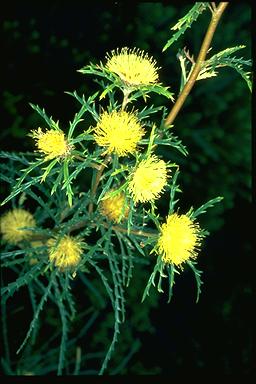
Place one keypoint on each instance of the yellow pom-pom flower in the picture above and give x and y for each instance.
(133, 66)
(148, 180)
(51, 143)
(113, 207)
(119, 131)
(11, 225)
(179, 240)
(66, 253)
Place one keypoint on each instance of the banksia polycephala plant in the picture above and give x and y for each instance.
(99, 209)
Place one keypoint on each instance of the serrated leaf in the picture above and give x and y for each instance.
(204, 207)
(41, 111)
(197, 274)
(48, 169)
(185, 22)
(223, 59)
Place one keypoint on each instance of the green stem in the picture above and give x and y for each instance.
(116, 228)
(133, 231)
(78, 157)
(96, 182)
(92, 165)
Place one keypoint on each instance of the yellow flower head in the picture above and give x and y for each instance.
(148, 180)
(134, 67)
(113, 207)
(11, 225)
(119, 131)
(65, 253)
(52, 143)
(179, 240)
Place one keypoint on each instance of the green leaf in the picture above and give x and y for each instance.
(151, 280)
(78, 116)
(134, 348)
(87, 105)
(174, 142)
(223, 59)
(44, 205)
(93, 289)
(22, 280)
(22, 188)
(174, 188)
(98, 70)
(108, 89)
(118, 302)
(36, 314)
(171, 271)
(50, 122)
(197, 274)
(104, 279)
(161, 275)
(48, 169)
(147, 111)
(156, 88)
(64, 320)
(204, 207)
(57, 181)
(16, 156)
(67, 182)
(185, 22)
(12, 253)
(151, 141)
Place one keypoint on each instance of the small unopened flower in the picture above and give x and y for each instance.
(51, 143)
(133, 66)
(13, 223)
(119, 132)
(148, 180)
(179, 240)
(34, 244)
(66, 253)
(113, 207)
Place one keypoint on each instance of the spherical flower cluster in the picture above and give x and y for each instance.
(11, 225)
(65, 253)
(113, 207)
(119, 132)
(148, 180)
(133, 66)
(179, 240)
(51, 143)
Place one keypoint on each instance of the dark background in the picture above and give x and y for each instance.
(44, 46)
